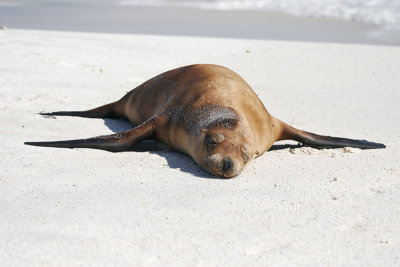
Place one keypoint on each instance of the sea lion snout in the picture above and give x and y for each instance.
(227, 164)
(223, 166)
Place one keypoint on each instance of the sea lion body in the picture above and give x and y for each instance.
(185, 90)
(182, 93)
(206, 111)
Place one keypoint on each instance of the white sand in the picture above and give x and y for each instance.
(289, 207)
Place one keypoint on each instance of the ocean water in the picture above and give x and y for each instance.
(383, 13)
(376, 21)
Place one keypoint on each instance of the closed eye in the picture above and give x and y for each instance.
(210, 142)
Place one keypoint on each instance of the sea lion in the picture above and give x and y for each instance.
(206, 111)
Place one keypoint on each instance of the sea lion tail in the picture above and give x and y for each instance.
(113, 143)
(105, 111)
(321, 141)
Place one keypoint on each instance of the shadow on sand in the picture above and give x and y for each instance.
(175, 159)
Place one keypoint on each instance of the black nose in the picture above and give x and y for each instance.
(227, 164)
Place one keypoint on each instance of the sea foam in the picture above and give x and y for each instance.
(384, 13)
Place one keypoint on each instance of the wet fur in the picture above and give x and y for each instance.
(204, 117)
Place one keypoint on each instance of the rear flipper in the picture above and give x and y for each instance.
(320, 141)
(106, 111)
(114, 142)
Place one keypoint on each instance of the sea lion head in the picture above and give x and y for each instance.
(219, 143)
(225, 152)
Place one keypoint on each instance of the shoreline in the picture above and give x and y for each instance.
(191, 22)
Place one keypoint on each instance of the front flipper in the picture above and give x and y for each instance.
(114, 142)
(321, 141)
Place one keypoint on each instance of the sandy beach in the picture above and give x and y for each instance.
(153, 206)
